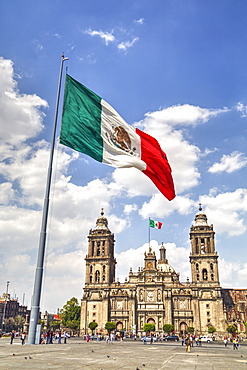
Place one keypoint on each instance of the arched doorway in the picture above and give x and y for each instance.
(183, 328)
(119, 326)
(151, 321)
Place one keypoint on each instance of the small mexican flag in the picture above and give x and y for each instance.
(155, 224)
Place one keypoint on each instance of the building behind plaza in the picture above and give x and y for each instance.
(154, 293)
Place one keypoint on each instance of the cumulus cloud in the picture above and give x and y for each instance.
(226, 211)
(185, 115)
(228, 272)
(129, 208)
(160, 207)
(229, 163)
(20, 117)
(106, 36)
(178, 258)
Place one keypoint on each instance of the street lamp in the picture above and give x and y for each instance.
(4, 310)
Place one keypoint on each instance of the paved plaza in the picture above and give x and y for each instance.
(77, 354)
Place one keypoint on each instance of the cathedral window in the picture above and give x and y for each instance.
(97, 276)
(208, 313)
(202, 245)
(90, 279)
(204, 274)
(197, 267)
(94, 306)
(103, 269)
(197, 248)
(211, 267)
(212, 276)
(91, 269)
(98, 251)
(197, 277)
(103, 278)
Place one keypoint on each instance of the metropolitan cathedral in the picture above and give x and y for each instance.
(154, 293)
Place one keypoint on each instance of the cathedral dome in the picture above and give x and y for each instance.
(163, 264)
(165, 267)
(201, 218)
(102, 222)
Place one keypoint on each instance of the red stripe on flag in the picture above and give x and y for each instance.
(158, 168)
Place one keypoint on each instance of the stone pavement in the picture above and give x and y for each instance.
(129, 355)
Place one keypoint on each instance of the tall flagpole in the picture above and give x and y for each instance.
(35, 309)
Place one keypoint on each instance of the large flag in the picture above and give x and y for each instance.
(155, 224)
(91, 126)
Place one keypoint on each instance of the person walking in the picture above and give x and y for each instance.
(48, 334)
(187, 344)
(225, 342)
(65, 337)
(12, 336)
(112, 336)
(59, 337)
(23, 337)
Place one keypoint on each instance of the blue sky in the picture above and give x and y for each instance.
(175, 69)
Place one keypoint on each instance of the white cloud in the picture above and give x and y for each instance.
(125, 45)
(139, 21)
(7, 194)
(228, 273)
(229, 163)
(106, 36)
(185, 115)
(159, 206)
(20, 117)
(240, 107)
(178, 258)
(129, 208)
(208, 151)
(242, 275)
(226, 211)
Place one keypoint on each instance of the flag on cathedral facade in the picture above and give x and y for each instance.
(155, 224)
(91, 126)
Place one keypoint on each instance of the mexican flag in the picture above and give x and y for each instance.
(91, 126)
(155, 224)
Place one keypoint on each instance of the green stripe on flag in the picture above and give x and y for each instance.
(81, 120)
(151, 223)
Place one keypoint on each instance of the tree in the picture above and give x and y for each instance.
(231, 329)
(149, 327)
(19, 322)
(110, 326)
(70, 314)
(167, 328)
(190, 330)
(55, 324)
(92, 325)
(211, 329)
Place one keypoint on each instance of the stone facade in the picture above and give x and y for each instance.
(154, 294)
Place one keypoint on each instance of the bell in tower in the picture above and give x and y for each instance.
(203, 257)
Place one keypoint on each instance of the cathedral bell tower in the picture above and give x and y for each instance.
(100, 261)
(203, 257)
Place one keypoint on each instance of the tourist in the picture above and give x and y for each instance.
(12, 335)
(23, 337)
(187, 344)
